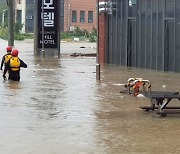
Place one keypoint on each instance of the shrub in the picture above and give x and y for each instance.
(93, 35)
(83, 35)
(4, 33)
(92, 38)
(19, 37)
(78, 32)
(94, 31)
(28, 35)
(18, 27)
(66, 35)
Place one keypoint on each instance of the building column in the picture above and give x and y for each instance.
(102, 36)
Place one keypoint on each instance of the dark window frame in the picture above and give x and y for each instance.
(82, 16)
(74, 16)
(90, 16)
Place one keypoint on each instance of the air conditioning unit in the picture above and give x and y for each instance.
(102, 7)
(29, 17)
(107, 7)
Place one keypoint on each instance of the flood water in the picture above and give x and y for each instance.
(59, 107)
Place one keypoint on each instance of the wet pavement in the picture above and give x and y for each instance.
(59, 107)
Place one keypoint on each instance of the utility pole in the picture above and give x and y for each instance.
(10, 4)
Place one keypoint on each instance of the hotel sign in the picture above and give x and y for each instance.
(48, 23)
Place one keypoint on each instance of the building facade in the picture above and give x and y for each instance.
(73, 13)
(141, 33)
(24, 14)
(80, 13)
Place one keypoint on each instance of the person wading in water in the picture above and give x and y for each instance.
(13, 66)
(6, 57)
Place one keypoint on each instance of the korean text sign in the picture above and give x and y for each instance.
(48, 23)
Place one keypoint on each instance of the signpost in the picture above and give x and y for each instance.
(47, 29)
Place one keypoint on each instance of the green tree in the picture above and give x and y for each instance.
(3, 6)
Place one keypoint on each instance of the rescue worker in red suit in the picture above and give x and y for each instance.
(13, 66)
(6, 57)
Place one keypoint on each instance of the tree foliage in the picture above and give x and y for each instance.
(3, 6)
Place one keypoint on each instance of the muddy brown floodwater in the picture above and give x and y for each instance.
(59, 107)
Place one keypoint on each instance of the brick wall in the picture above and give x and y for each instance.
(102, 36)
(79, 5)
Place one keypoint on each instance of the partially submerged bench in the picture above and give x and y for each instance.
(159, 102)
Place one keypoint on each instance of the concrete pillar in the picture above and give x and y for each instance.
(102, 36)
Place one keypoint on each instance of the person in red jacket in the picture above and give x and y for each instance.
(6, 57)
(13, 66)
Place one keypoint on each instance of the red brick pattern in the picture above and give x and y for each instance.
(102, 36)
(79, 5)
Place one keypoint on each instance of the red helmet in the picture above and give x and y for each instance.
(9, 49)
(15, 52)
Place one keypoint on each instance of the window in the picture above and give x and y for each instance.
(74, 16)
(19, 16)
(132, 2)
(132, 9)
(82, 16)
(90, 16)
